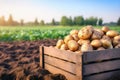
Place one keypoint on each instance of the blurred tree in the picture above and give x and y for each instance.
(118, 22)
(100, 21)
(42, 22)
(21, 22)
(36, 22)
(64, 21)
(70, 22)
(91, 21)
(2, 21)
(79, 20)
(10, 20)
(53, 22)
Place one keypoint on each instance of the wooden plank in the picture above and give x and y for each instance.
(101, 55)
(79, 67)
(62, 54)
(101, 67)
(55, 70)
(42, 56)
(67, 66)
(105, 76)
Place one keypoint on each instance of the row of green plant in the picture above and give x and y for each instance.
(37, 33)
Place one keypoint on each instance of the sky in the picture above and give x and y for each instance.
(108, 10)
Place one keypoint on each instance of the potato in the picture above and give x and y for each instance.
(101, 32)
(116, 40)
(96, 43)
(86, 47)
(75, 37)
(90, 27)
(112, 33)
(67, 38)
(105, 29)
(64, 47)
(85, 33)
(59, 43)
(96, 35)
(111, 47)
(101, 48)
(107, 38)
(117, 46)
(81, 41)
(106, 44)
(73, 45)
(74, 32)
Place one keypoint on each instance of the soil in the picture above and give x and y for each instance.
(20, 61)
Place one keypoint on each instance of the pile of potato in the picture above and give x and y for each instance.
(89, 38)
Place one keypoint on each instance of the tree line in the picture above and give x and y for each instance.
(79, 20)
(65, 21)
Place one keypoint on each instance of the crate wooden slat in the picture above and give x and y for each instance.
(55, 70)
(70, 67)
(101, 67)
(101, 55)
(58, 61)
(95, 65)
(104, 76)
(62, 54)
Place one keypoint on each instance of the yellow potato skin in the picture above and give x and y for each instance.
(96, 43)
(86, 47)
(73, 45)
(112, 33)
(105, 29)
(59, 43)
(85, 33)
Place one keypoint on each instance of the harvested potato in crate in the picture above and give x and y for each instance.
(92, 65)
(92, 37)
(86, 54)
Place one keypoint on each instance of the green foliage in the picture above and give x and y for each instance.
(91, 21)
(10, 20)
(21, 22)
(37, 33)
(42, 23)
(79, 20)
(36, 22)
(64, 21)
(118, 22)
(70, 22)
(100, 21)
(53, 22)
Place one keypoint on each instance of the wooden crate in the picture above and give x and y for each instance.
(95, 65)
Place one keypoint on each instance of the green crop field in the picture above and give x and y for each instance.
(18, 33)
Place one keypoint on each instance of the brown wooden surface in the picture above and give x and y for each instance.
(55, 70)
(104, 76)
(79, 67)
(101, 67)
(62, 54)
(61, 61)
(67, 66)
(101, 55)
(42, 56)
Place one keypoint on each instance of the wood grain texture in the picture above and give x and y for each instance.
(67, 66)
(105, 76)
(55, 70)
(42, 56)
(62, 54)
(101, 55)
(101, 67)
(79, 66)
